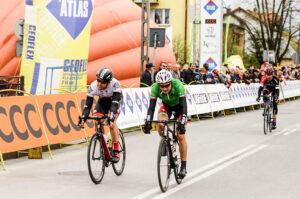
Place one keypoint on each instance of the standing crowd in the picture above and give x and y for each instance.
(193, 74)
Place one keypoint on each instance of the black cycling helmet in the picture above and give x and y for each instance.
(269, 71)
(105, 73)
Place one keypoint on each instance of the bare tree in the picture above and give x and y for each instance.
(276, 18)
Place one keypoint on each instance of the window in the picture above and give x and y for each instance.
(160, 16)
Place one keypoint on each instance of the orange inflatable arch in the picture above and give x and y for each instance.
(115, 40)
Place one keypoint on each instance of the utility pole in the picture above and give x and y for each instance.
(145, 32)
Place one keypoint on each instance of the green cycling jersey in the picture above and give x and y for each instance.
(172, 98)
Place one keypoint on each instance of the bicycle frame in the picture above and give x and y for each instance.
(166, 135)
(100, 133)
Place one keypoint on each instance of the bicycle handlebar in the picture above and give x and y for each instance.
(95, 117)
(163, 121)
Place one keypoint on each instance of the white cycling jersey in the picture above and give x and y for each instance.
(113, 86)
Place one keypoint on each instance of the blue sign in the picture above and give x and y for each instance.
(145, 101)
(72, 15)
(123, 107)
(138, 101)
(188, 96)
(129, 102)
(212, 64)
(210, 7)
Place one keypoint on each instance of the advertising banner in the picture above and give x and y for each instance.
(56, 45)
(141, 101)
(211, 33)
(214, 97)
(128, 112)
(226, 100)
(191, 105)
(20, 124)
(200, 97)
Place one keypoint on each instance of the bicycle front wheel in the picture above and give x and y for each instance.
(177, 161)
(119, 167)
(270, 122)
(96, 159)
(266, 124)
(163, 165)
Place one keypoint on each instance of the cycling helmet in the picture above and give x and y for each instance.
(163, 76)
(269, 71)
(105, 73)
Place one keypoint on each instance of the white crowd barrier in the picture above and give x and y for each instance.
(201, 99)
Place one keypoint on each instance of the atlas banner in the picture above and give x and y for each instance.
(214, 97)
(56, 44)
(141, 100)
(200, 97)
(211, 33)
(60, 117)
(128, 112)
(20, 124)
(191, 105)
(226, 100)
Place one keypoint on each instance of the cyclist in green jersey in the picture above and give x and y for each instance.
(172, 93)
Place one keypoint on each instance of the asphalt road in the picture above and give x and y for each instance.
(228, 157)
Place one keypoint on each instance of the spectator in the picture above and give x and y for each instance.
(255, 76)
(264, 66)
(162, 66)
(234, 75)
(220, 77)
(189, 74)
(250, 69)
(247, 78)
(184, 68)
(146, 79)
(169, 66)
(176, 71)
(207, 78)
(202, 73)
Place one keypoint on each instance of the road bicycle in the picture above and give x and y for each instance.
(268, 114)
(100, 151)
(168, 157)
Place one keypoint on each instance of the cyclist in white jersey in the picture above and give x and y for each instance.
(110, 98)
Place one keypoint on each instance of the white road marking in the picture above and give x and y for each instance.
(281, 132)
(229, 158)
(290, 132)
(210, 172)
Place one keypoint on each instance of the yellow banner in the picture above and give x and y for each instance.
(56, 45)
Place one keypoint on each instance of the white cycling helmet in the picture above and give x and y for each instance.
(163, 76)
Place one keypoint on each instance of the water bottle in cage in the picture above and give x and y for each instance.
(109, 141)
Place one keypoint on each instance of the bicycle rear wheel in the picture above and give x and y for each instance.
(96, 159)
(163, 165)
(119, 167)
(266, 124)
(177, 161)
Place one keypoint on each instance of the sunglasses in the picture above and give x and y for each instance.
(101, 81)
(164, 86)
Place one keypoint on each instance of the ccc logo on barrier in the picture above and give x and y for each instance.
(28, 118)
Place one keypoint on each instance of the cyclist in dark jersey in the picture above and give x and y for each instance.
(270, 84)
(172, 93)
(110, 98)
